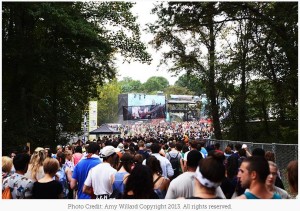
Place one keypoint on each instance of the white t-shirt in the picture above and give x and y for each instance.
(183, 186)
(100, 178)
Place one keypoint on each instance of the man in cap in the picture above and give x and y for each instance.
(100, 178)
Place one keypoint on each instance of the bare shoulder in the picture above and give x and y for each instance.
(166, 180)
(166, 183)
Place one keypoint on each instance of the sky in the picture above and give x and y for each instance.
(136, 70)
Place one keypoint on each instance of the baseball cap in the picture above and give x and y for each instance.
(107, 151)
(244, 146)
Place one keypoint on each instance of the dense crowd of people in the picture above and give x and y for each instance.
(161, 128)
(164, 161)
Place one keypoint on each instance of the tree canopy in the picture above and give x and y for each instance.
(226, 46)
(155, 83)
(55, 55)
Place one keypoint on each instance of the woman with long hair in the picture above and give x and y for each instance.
(161, 183)
(124, 170)
(139, 184)
(35, 168)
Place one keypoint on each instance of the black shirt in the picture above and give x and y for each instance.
(48, 190)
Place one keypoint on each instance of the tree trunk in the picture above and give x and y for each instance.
(211, 81)
(242, 132)
(266, 117)
(280, 97)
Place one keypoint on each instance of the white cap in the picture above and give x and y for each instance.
(107, 151)
(244, 146)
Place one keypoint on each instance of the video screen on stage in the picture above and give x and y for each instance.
(144, 112)
(143, 106)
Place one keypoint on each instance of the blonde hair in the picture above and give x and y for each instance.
(271, 163)
(7, 164)
(36, 161)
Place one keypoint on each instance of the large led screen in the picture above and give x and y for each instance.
(144, 112)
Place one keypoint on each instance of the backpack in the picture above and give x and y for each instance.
(6, 194)
(175, 165)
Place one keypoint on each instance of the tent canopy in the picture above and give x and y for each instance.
(104, 129)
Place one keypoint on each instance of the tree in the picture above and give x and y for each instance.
(108, 102)
(281, 18)
(274, 34)
(240, 63)
(260, 102)
(192, 83)
(155, 83)
(178, 90)
(129, 85)
(264, 47)
(55, 55)
(187, 27)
